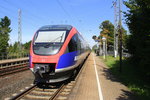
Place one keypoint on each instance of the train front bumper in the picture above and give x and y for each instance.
(58, 76)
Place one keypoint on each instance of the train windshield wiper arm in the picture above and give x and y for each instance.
(55, 40)
(61, 37)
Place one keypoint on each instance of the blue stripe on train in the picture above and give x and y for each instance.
(67, 60)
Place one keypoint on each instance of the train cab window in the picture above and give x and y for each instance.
(48, 42)
(72, 46)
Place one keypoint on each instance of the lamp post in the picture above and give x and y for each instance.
(100, 48)
(104, 47)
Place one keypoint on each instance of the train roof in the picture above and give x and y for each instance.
(56, 27)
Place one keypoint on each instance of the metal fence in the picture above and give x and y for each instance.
(111, 53)
(12, 55)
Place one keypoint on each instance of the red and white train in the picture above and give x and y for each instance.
(56, 52)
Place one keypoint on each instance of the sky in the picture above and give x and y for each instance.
(85, 15)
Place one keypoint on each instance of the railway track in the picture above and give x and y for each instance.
(13, 66)
(59, 91)
(47, 92)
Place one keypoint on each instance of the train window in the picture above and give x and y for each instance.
(50, 36)
(72, 46)
(48, 42)
(81, 44)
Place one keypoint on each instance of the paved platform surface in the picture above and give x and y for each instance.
(101, 87)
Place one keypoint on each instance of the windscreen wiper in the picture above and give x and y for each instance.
(47, 45)
(61, 37)
(57, 38)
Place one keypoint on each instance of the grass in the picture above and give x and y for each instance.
(129, 76)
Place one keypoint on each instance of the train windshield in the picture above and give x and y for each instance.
(48, 42)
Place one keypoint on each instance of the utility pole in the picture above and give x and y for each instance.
(120, 36)
(115, 30)
(19, 30)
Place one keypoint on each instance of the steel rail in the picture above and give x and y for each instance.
(57, 92)
(20, 95)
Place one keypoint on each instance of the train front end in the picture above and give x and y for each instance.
(47, 54)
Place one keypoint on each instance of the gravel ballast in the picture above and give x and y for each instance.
(13, 83)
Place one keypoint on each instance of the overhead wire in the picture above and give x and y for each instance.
(32, 16)
(26, 18)
(6, 11)
(64, 10)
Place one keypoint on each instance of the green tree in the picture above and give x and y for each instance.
(14, 48)
(124, 37)
(4, 33)
(138, 20)
(107, 31)
(26, 46)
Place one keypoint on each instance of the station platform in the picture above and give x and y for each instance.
(13, 60)
(96, 83)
